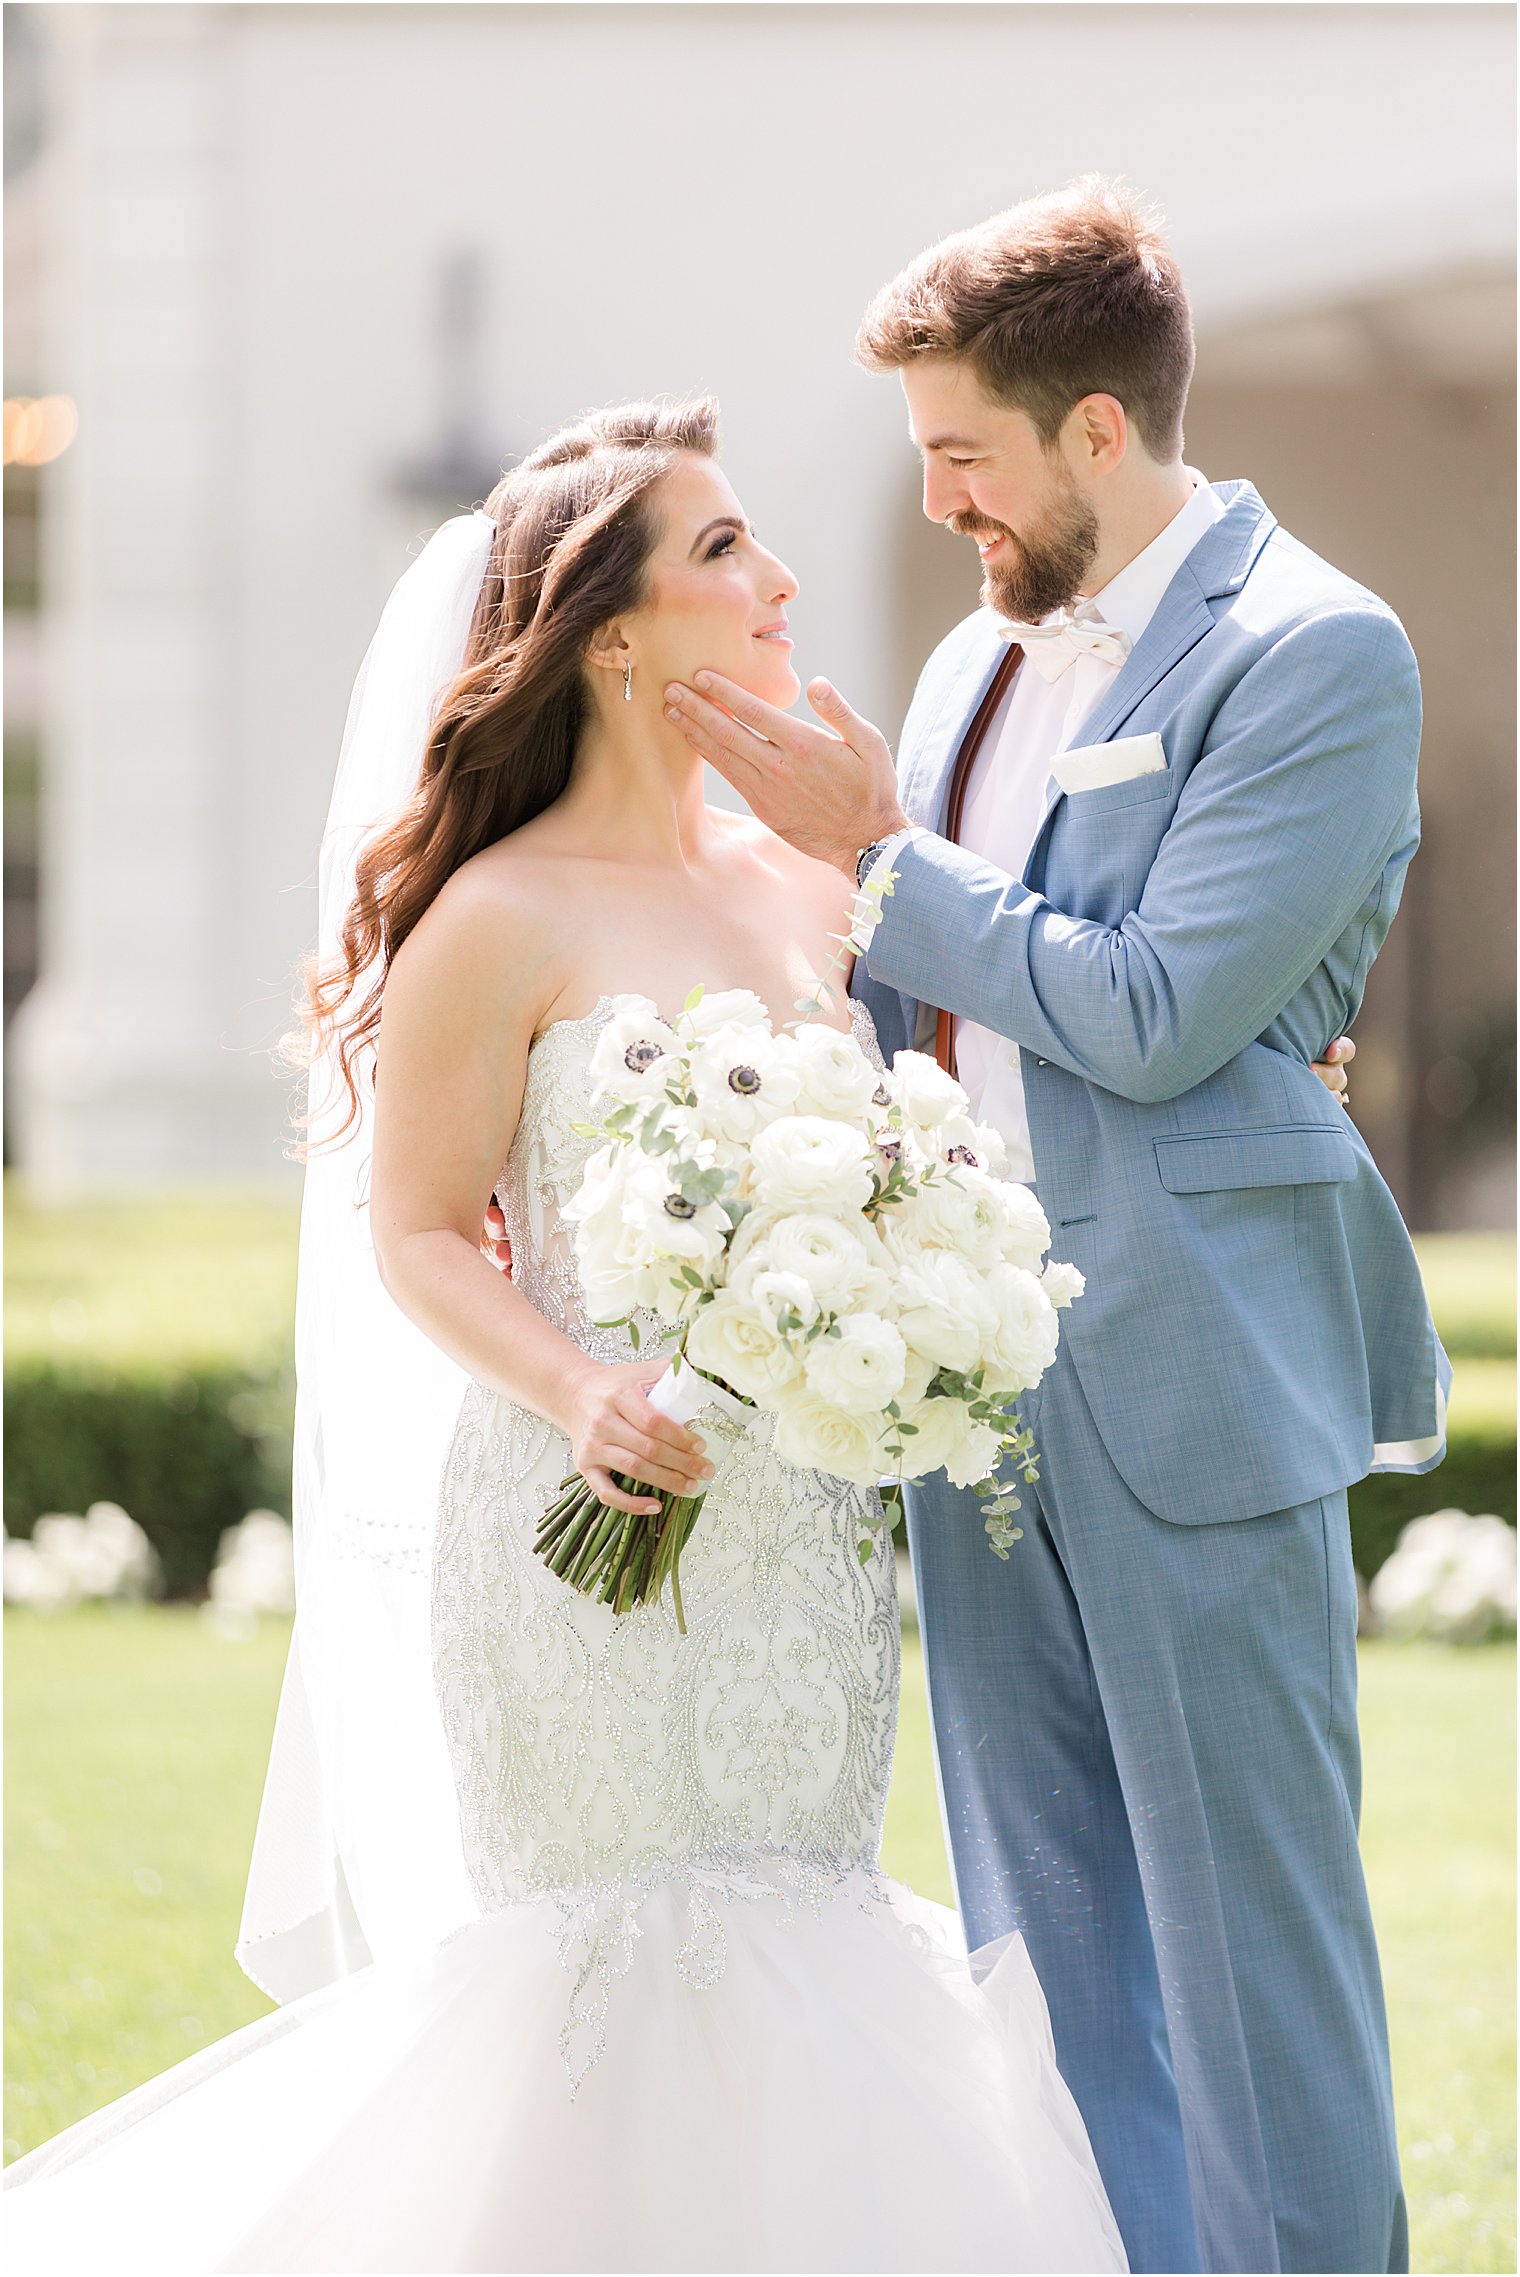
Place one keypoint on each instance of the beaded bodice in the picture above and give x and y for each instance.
(595, 1754)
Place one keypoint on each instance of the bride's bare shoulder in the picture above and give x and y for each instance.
(493, 932)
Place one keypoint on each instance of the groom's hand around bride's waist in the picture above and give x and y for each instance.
(827, 790)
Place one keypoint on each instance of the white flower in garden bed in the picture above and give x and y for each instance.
(255, 1569)
(1451, 1578)
(73, 1561)
(838, 1249)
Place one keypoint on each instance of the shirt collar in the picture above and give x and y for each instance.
(1129, 600)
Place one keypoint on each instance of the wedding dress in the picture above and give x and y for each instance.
(693, 2026)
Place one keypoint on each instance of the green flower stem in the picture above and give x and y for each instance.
(570, 1548)
(607, 1524)
(622, 1557)
(619, 1559)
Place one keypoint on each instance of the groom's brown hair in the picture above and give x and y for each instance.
(1075, 293)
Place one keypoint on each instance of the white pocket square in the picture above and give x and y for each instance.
(1098, 766)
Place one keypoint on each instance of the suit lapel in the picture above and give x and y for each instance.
(1218, 565)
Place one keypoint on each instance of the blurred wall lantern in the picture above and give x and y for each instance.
(38, 428)
(461, 469)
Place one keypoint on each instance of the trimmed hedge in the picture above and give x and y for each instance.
(189, 1453)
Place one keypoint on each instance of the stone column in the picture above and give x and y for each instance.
(119, 1075)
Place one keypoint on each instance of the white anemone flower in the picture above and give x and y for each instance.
(635, 1053)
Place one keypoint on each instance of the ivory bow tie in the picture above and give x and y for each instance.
(1055, 645)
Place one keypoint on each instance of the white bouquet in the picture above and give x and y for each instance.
(832, 1243)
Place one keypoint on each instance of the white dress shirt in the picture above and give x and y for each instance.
(1009, 787)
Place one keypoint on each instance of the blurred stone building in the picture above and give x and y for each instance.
(307, 275)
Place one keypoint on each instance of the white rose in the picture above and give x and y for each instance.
(729, 1338)
(634, 1052)
(742, 1080)
(974, 1454)
(945, 1310)
(1027, 1229)
(1063, 1284)
(938, 1428)
(857, 1365)
(837, 1079)
(838, 1263)
(802, 1162)
(596, 1212)
(727, 1008)
(816, 1435)
(1027, 1333)
(612, 1292)
(961, 1210)
(925, 1093)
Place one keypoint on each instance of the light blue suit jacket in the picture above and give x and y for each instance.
(1179, 950)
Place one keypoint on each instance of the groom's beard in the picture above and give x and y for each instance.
(1043, 569)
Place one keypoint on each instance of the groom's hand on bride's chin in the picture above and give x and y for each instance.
(828, 790)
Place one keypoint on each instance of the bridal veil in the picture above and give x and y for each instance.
(358, 1855)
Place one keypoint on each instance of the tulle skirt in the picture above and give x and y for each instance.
(846, 2095)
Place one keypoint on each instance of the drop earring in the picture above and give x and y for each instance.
(628, 683)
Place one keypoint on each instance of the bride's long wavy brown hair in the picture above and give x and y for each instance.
(576, 522)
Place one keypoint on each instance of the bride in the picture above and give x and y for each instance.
(586, 1959)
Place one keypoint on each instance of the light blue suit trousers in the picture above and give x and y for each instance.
(1145, 1722)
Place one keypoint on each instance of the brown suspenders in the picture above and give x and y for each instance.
(986, 711)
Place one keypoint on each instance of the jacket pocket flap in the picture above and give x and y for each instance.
(1305, 1155)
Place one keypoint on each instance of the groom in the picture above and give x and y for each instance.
(1150, 822)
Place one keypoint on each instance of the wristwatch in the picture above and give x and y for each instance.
(867, 856)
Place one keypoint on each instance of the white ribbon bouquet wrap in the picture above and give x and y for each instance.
(834, 1245)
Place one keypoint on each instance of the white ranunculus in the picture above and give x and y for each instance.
(962, 1210)
(816, 1435)
(771, 1294)
(945, 1309)
(918, 1374)
(925, 1093)
(731, 1339)
(804, 1162)
(724, 1008)
(837, 1078)
(858, 1365)
(753, 1232)
(1063, 1284)
(633, 1055)
(897, 1232)
(742, 1080)
(1027, 1229)
(838, 1262)
(1024, 1341)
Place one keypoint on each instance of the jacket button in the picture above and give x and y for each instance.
(1042, 1063)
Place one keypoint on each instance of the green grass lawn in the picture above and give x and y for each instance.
(136, 1751)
